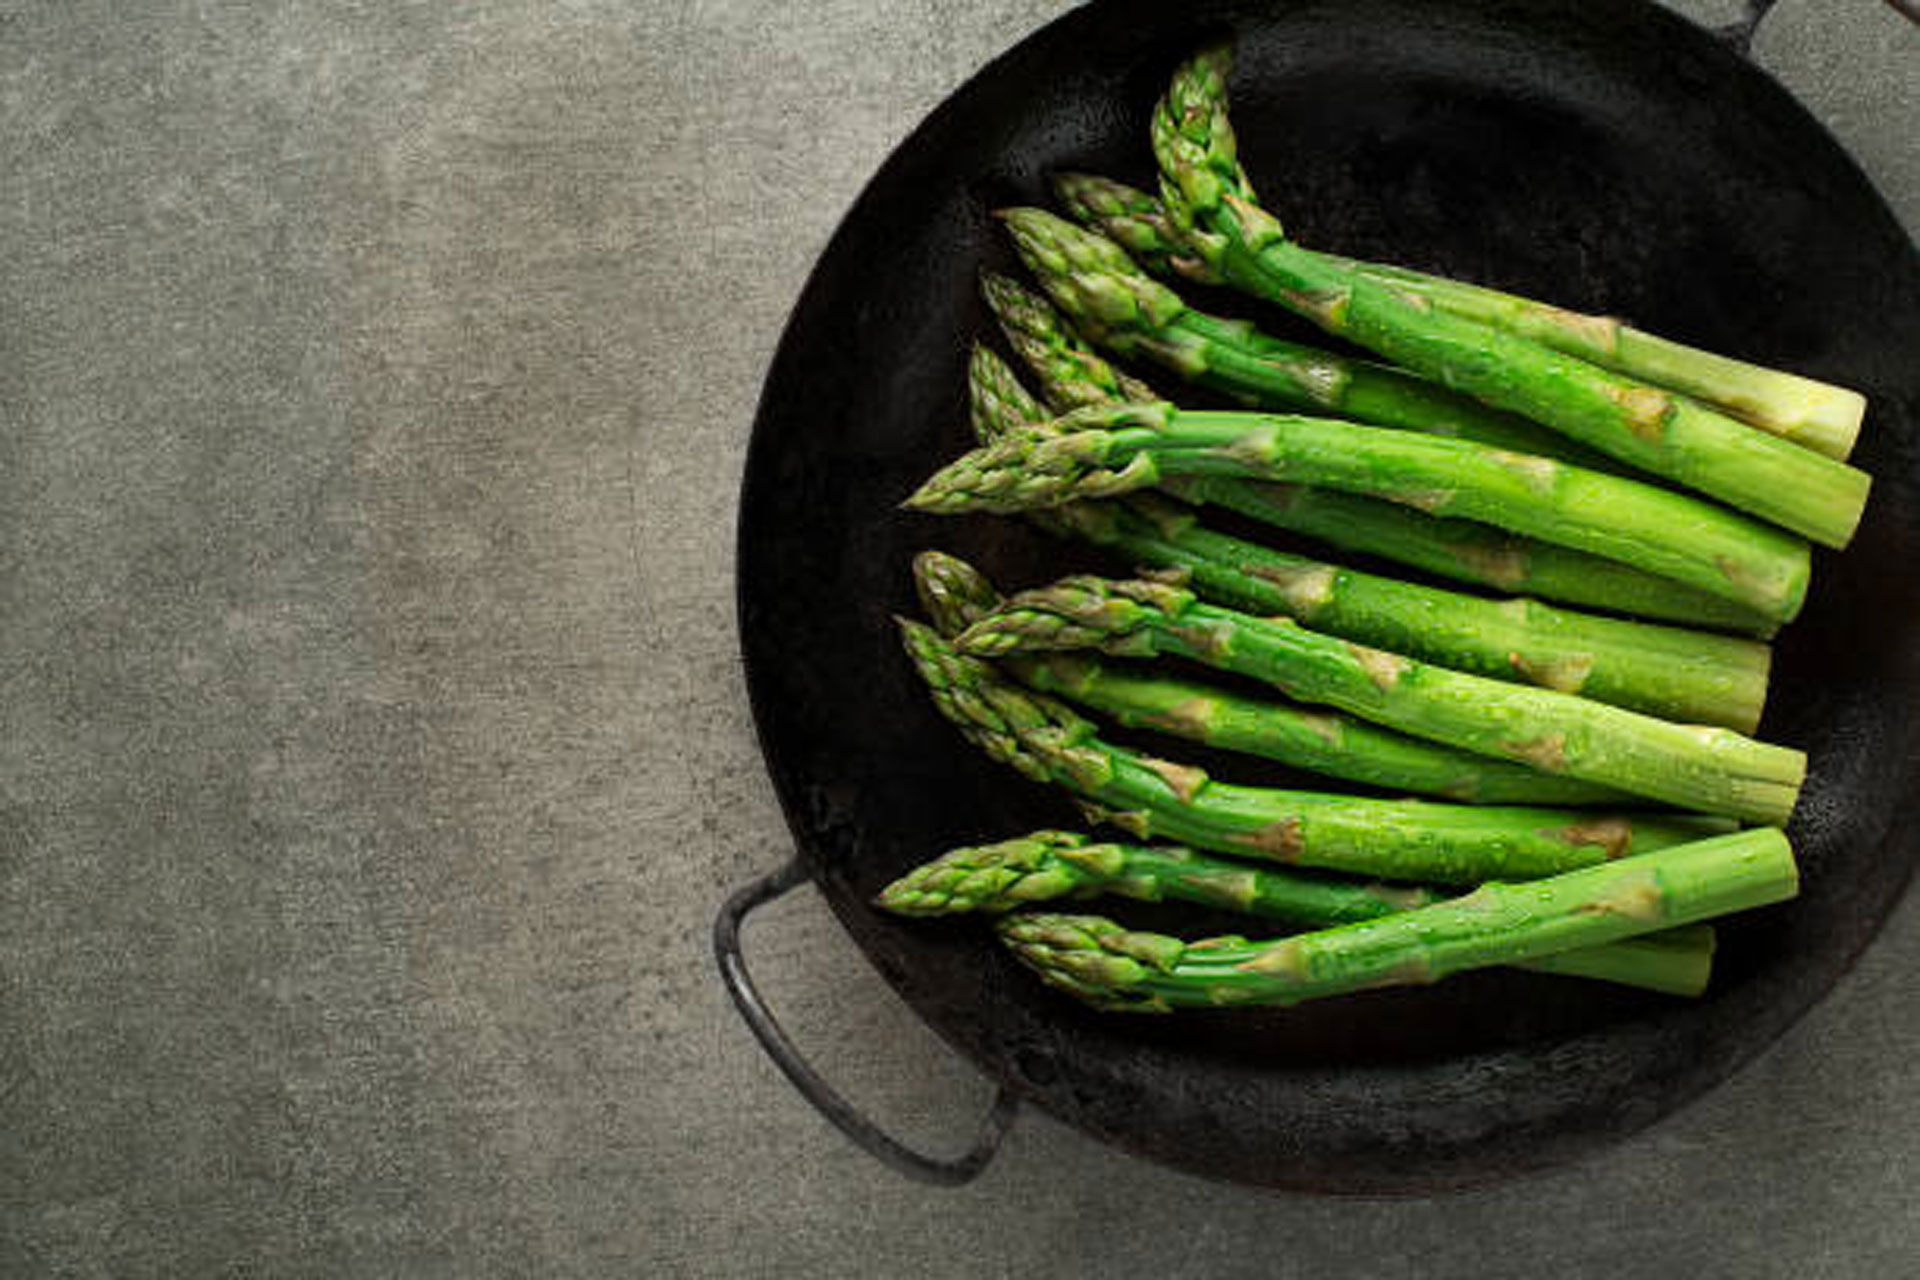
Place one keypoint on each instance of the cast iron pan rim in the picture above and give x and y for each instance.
(785, 353)
(999, 1068)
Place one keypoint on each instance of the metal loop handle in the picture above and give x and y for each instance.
(1739, 34)
(845, 1117)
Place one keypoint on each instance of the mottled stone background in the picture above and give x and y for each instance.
(374, 383)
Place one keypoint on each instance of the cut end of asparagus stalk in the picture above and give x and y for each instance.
(1812, 414)
(1675, 962)
(1816, 415)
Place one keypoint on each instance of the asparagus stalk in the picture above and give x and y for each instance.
(1664, 671)
(1151, 798)
(1656, 430)
(1814, 415)
(1107, 451)
(1817, 415)
(1049, 865)
(1690, 676)
(954, 595)
(1117, 306)
(1114, 968)
(1694, 767)
(1468, 552)
(1046, 866)
(1456, 549)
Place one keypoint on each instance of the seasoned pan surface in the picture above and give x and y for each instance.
(1606, 156)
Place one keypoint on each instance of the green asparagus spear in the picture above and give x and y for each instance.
(1114, 968)
(1151, 798)
(1668, 435)
(1694, 767)
(1048, 865)
(1106, 451)
(954, 595)
(1469, 552)
(1814, 414)
(1676, 674)
(1119, 307)
(1456, 549)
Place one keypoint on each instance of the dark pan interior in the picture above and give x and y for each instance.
(1606, 156)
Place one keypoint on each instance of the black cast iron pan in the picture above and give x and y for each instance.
(1604, 155)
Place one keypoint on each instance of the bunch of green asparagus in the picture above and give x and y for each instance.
(1590, 790)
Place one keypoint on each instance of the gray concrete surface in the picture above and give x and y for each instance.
(374, 382)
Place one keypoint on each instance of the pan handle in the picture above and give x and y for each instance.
(813, 1087)
(1739, 34)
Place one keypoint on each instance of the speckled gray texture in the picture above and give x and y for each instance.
(374, 383)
